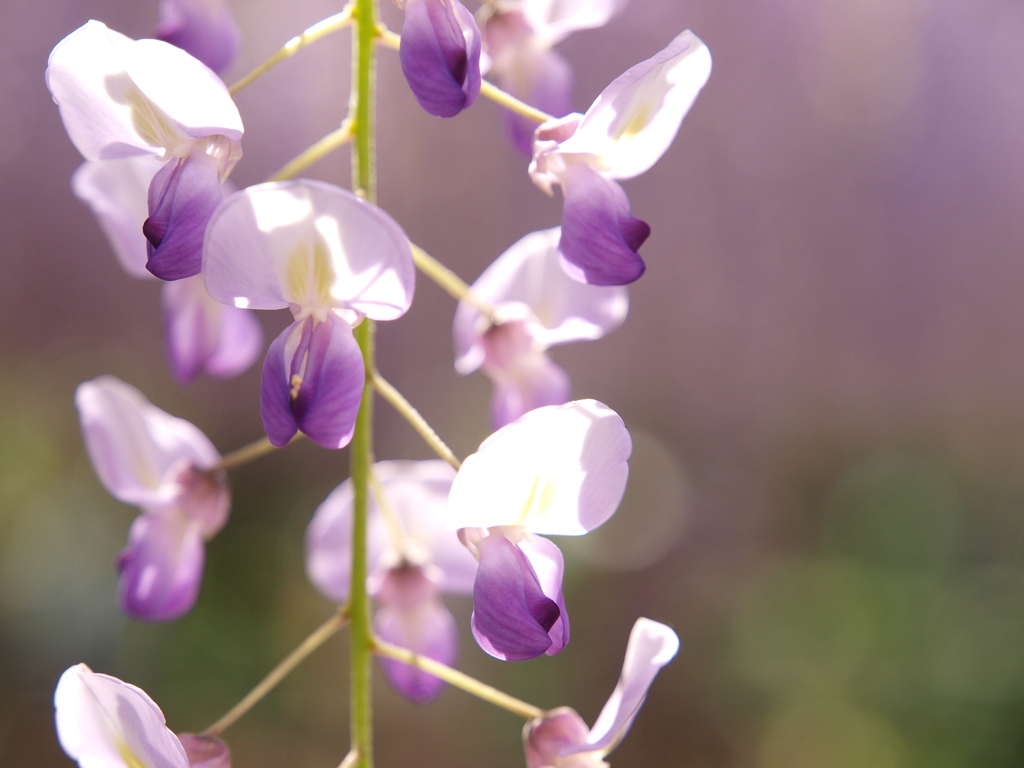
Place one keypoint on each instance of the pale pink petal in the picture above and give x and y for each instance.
(116, 192)
(137, 449)
(651, 646)
(310, 246)
(636, 118)
(529, 272)
(554, 20)
(103, 722)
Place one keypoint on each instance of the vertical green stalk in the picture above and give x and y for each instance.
(361, 448)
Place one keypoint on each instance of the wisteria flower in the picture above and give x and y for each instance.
(332, 259)
(558, 470)
(412, 560)
(201, 334)
(103, 722)
(518, 40)
(537, 306)
(204, 28)
(625, 131)
(122, 98)
(146, 457)
(560, 738)
(440, 55)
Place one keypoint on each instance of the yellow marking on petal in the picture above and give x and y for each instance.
(130, 760)
(309, 275)
(539, 501)
(149, 121)
(638, 120)
(296, 386)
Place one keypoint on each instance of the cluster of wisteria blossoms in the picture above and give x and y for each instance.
(160, 135)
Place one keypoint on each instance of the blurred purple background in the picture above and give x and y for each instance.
(823, 371)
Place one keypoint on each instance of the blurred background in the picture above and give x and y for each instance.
(823, 373)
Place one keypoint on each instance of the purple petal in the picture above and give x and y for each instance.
(205, 751)
(599, 237)
(102, 721)
(547, 739)
(440, 55)
(182, 198)
(514, 617)
(312, 382)
(203, 28)
(161, 568)
(412, 615)
(203, 334)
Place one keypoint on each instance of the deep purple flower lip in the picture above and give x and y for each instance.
(312, 382)
(182, 197)
(600, 238)
(440, 55)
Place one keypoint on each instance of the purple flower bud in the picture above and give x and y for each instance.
(313, 379)
(440, 55)
(550, 740)
(182, 197)
(203, 28)
(205, 751)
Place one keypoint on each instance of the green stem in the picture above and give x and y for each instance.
(364, 183)
(322, 148)
(404, 407)
(317, 638)
(451, 283)
(243, 456)
(293, 46)
(459, 680)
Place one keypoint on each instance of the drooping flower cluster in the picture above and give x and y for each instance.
(156, 125)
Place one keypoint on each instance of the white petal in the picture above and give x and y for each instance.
(137, 449)
(120, 97)
(558, 470)
(651, 646)
(636, 118)
(103, 722)
(116, 192)
(554, 20)
(311, 246)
